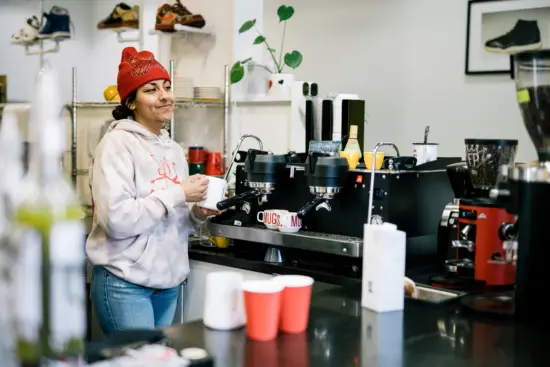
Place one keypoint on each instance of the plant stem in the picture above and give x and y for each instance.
(264, 67)
(281, 50)
(270, 52)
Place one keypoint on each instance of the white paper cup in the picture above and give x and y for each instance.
(425, 152)
(216, 193)
(223, 301)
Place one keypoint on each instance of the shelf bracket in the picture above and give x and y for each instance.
(55, 49)
(122, 39)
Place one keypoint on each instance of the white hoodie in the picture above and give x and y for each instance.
(141, 218)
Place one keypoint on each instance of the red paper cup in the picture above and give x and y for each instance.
(262, 302)
(295, 302)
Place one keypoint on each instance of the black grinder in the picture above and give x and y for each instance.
(262, 172)
(325, 176)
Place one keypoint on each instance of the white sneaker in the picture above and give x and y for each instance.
(28, 33)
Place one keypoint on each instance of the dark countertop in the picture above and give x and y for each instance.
(341, 333)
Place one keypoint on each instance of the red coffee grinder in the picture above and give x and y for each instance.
(482, 221)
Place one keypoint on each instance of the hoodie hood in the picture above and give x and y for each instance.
(136, 128)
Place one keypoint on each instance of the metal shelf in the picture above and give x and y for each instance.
(304, 240)
(179, 103)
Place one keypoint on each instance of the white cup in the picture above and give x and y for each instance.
(216, 193)
(270, 218)
(223, 301)
(425, 152)
(289, 222)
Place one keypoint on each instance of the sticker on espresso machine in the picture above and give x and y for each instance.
(523, 96)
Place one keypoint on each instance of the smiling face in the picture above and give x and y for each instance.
(154, 104)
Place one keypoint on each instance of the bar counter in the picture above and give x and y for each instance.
(342, 333)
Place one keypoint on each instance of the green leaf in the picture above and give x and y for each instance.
(246, 60)
(285, 12)
(259, 39)
(293, 59)
(237, 72)
(247, 25)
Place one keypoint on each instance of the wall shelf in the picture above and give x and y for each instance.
(260, 100)
(183, 31)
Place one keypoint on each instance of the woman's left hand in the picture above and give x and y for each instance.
(209, 212)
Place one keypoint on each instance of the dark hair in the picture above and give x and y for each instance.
(123, 111)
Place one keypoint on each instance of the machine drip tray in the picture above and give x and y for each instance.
(432, 295)
(304, 240)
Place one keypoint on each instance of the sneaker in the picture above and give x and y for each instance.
(170, 15)
(122, 16)
(57, 24)
(525, 36)
(28, 33)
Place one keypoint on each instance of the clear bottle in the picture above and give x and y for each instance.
(52, 318)
(11, 167)
(352, 145)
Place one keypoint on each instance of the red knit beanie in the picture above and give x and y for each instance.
(137, 69)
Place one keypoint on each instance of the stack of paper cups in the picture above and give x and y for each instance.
(384, 249)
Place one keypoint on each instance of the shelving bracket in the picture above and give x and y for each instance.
(42, 51)
(122, 39)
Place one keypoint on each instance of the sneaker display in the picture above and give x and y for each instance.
(524, 36)
(28, 33)
(57, 24)
(170, 15)
(122, 16)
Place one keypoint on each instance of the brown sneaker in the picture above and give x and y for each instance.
(186, 17)
(121, 16)
(170, 15)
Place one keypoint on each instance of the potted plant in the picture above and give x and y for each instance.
(279, 81)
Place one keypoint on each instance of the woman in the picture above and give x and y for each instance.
(144, 207)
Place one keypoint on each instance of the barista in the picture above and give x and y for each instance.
(144, 204)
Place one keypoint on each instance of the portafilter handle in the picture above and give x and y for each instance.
(234, 200)
(310, 205)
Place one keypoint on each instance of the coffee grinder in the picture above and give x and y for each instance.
(527, 192)
(480, 258)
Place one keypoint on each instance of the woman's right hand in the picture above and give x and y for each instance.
(195, 188)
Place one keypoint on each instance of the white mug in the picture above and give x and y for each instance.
(289, 222)
(223, 301)
(216, 193)
(270, 218)
(425, 152)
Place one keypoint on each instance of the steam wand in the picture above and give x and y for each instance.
(373, 172)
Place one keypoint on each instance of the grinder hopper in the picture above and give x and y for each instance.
(484, 158)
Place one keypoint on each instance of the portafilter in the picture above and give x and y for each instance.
(325, 177)
(262, 170)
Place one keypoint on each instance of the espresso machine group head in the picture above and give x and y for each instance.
(262, 171)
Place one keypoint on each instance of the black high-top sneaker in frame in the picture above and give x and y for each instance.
(525, 36)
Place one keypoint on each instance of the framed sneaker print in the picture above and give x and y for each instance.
(497, 29)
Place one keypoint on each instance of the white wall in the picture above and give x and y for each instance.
(406, 59)
(94, 53)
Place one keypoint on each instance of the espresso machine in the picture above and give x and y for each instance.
(479, 258)
(526, 192)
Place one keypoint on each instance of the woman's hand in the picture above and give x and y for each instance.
(195, 188)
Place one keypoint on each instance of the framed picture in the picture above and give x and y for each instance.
(497, 29)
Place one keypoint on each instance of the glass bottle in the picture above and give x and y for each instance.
(51, 289)
(352, 145)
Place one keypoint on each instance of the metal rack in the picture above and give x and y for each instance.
(75, 104)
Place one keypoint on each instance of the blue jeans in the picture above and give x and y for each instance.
(121, 305)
